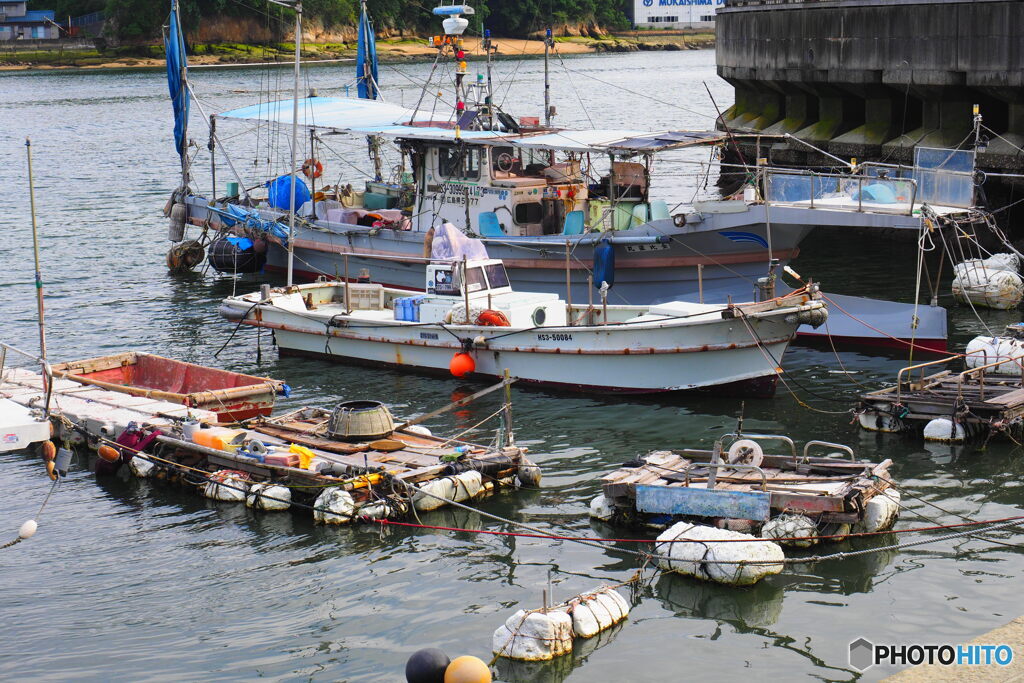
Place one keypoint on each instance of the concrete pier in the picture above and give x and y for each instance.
(1012, 634)
(873, 78)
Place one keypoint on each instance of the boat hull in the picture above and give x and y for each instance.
(687, 353)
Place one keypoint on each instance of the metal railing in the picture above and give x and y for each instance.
(840, 192)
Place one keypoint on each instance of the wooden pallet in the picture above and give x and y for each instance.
(834, 490)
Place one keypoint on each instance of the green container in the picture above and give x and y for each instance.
(372, 200)
(232, 189)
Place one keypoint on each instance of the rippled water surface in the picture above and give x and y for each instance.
(130, 581)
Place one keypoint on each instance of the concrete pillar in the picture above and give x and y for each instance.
(946, 119)
(881, 115)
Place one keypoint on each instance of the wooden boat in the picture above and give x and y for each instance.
(744, 487)
(485, 327)
(233, 396)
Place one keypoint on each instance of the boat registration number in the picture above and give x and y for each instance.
(554, 337)
(647, 247)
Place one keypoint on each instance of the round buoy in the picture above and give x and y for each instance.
(467, 669)
(427, 666)
(462, 364)
(47, 451)
(28, 529)
(108, 453)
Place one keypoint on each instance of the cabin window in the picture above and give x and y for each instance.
(458, 163)
(496, 275)
(475, 279)
(445, 282)
(530, 212)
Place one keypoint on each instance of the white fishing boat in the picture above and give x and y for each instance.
(471, 322)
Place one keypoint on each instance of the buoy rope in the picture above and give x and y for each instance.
(990, 525)
(22, 534)
(754, 539)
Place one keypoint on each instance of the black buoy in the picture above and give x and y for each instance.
(426, 666)
(237, 255)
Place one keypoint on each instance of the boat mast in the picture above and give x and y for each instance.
(547, 83)
(297, 6)
(490, 88)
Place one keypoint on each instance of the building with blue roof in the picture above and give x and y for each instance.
(17, 22)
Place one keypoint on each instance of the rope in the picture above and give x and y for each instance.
(23, 534)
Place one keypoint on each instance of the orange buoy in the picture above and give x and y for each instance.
(108, 453)
(493, 318)
(51, 470)
(467, 669)
(47, 451)
(462, 364)
(312, 168)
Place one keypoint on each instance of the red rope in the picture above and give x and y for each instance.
(556, 537)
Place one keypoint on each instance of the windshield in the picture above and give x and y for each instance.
(496, 275)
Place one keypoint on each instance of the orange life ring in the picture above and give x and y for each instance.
(492, 318)
(312, 168)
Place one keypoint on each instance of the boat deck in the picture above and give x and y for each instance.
(679, 483)
(968, 398)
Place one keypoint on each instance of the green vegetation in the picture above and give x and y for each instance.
(140, 20)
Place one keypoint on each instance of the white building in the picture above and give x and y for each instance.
(675, 13)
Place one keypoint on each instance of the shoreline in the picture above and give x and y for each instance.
(388, 51)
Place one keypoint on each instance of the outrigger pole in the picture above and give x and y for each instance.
(297, 6)
(47, 378)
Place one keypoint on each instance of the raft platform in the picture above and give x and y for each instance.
(744, 485)
(387, 478)
(962, 404)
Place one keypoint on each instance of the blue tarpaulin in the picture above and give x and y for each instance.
(279, 193)
(242, 243)
(366, 59)
(177, 65)
(250, 218)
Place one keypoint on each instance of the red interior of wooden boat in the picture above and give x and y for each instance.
(165, 374)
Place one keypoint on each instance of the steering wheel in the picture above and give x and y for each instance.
(505, 162)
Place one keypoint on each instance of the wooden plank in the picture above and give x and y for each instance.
(796, 501)
(703, 502)
(1010, 398)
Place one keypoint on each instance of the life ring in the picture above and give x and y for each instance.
(312, 168)
(679, 219)
(492, 318)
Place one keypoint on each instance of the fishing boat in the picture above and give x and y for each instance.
(472, 321)
(533, 192)
(233, 396)
(530, 190)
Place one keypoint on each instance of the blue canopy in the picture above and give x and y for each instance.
(177, 65)
(366, 59)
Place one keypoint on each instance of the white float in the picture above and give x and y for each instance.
(435, 494)
(270, 497)
(534, 636)
(719, 562)
(880, 513)
(234, 488)
(791, 526)
(602, 508)
(1006, 351)
(596, 611)
(141, 467)
(944, 430)
(991, 283)
(334, 506)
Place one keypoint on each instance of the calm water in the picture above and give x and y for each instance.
(127, 581)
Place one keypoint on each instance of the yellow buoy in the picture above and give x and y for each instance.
(467, 669)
